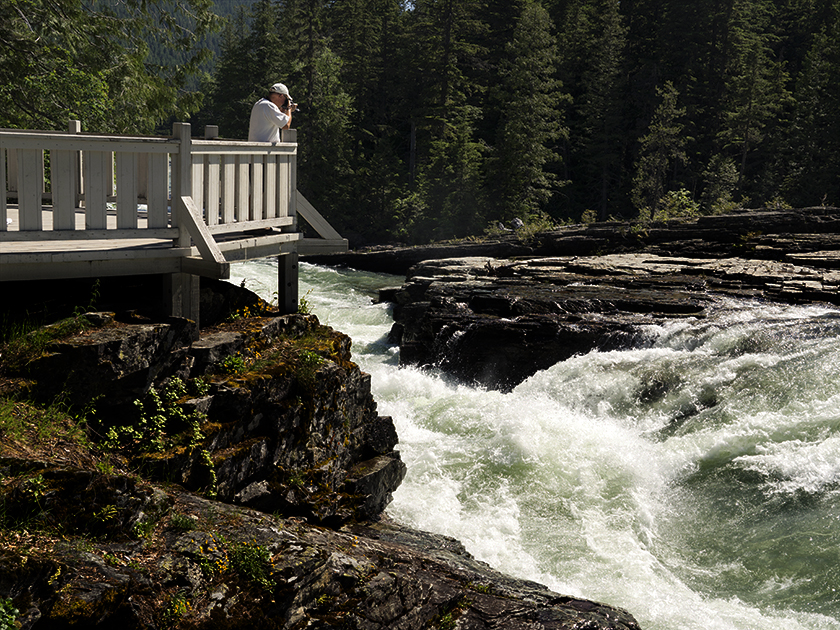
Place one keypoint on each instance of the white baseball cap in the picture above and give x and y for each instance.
(279, 88)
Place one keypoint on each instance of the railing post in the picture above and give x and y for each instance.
(75, 128)
(181, 291)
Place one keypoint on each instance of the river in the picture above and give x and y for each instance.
(695, 482)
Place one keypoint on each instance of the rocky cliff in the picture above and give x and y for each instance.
(496, 312)
(155, 477)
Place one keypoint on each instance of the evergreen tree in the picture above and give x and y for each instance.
(811, 167)
(756, 86)
(531, 125)
(594, 38)
(661, 150)
(445, 109)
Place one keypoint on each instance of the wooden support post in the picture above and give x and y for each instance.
(181, 295)
(181, 292)
(287, 283)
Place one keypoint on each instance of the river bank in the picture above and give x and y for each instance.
(494, 313)
(230, 478)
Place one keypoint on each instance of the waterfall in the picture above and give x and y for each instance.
(694, 482)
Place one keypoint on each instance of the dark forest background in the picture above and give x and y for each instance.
(436, 119)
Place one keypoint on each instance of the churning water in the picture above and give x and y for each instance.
(695, 482)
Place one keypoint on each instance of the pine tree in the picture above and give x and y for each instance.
(661, 150)
(811, 174)
(594, 70)
(756, 83)
(531, 125)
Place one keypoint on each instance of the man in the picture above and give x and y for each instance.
(271, 114)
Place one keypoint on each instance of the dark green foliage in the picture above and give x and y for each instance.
(63, 59)
(433, 119)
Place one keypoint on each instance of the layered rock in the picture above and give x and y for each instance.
(800, 236)
(285, 424)
(191, 562)
(281, 469)
(496, 322)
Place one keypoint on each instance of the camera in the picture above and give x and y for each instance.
(290, 105)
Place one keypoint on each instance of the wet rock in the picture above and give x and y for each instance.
(496, 322)
(236, 568)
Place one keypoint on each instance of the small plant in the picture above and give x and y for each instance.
(676, 204)
(143, 529)
(159, 416)
(233, 364)
(182, 522)
(8, 615)
(307, 366)
(304, 305)
(253, 562)
(213, 556)
(105, 514)
(177, 606)
(589, 216)
(201, 386)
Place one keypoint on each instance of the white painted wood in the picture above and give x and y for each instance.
(63, 189)
(283, 187)
(228, 189)
(77, 236)
(207, 268)
(30, 184)
(290, 135)
(243, 188)
(58, 269)
(158, 190)
(190, 218)
(85, 142)
(126, 190)
(212, 189)
(97, 177)
(197, 194)
(243, 226)
(257, 210)
(11, 157)
(270, 199)
(314, 218)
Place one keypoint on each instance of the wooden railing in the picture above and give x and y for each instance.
(87, 187)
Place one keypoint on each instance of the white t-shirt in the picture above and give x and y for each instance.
(266, 122)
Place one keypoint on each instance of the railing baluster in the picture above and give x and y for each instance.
(97, 186)
(283, 187)
(30, 185)
(63, 189)
(243, 188)
(211, 189)
(198, 181)
(126, 190)
(157, 194)
(257, 205)
(228, 192)
(270, 187)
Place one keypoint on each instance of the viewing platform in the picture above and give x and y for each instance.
(82, 205)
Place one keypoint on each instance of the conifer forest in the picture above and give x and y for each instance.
(438, 119)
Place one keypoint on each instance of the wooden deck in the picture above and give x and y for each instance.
(79, 205)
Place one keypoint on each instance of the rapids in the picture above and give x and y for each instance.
(694, 482)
